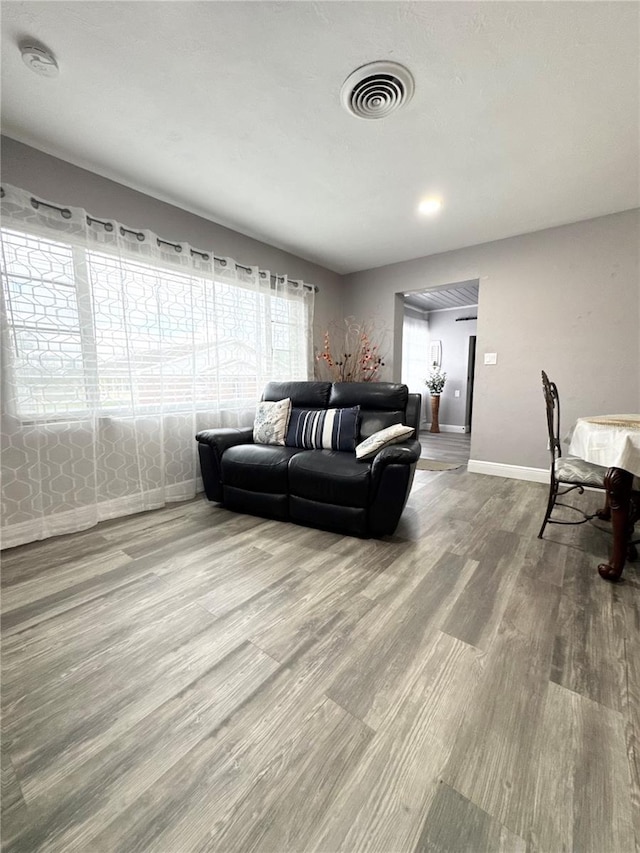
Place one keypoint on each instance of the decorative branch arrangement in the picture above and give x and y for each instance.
(436, 380)
(356, 358)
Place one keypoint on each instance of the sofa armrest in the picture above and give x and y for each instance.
(223, 438)
(212, 443)
(414, 411)
(392, 473)
(403, 453)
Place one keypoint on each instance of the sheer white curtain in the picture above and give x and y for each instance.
(117, 347)
(415, 354)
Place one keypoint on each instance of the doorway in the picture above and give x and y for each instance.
(443, 320)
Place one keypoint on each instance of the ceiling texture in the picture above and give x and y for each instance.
(462, 295)
(525, 115)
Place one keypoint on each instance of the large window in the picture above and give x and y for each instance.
(93, 333)
(118, 346)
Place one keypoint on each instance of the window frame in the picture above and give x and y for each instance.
(82, 286)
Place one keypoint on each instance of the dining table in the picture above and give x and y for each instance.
(613, 441)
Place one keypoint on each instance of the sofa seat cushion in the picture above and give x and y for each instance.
(258, 467)
(330, 476)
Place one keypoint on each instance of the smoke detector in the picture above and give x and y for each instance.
(376, 90)
(39, 60)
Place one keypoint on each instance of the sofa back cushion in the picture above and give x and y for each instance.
(382, 404)
(377, 396)
(304, 395)
(324, 429)
(372, 422)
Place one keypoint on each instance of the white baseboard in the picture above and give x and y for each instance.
(514, 472)
(448, 428)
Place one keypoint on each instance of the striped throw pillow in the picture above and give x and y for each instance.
(324, 429)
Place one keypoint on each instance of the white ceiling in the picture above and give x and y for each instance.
(525, 115)
(460, 295)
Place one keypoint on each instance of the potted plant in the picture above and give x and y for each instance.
(435, 383)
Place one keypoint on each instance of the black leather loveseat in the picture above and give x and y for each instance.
(321, 488)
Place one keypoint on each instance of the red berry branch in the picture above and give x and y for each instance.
(359, 359)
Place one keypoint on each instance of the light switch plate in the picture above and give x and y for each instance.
(456, 392)
(491, 358)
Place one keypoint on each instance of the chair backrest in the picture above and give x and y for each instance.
(552, 401)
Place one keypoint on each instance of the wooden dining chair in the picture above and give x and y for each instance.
(568, 473)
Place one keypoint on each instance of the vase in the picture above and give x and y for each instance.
(435, 409)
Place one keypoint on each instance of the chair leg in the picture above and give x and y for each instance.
(604, 514)
(553, 494)
(632, 551)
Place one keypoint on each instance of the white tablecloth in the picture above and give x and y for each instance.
(609, 440)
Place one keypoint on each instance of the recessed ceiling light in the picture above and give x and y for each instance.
(430, 206)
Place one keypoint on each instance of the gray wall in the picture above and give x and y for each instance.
(58, 181)
(566, 300)
(455, 355)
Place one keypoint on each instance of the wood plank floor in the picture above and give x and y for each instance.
(446, 446)
(195, 680)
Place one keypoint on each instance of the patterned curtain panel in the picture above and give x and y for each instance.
(117, 346)
(415, 354)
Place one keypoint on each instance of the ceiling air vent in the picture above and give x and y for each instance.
(376, 90)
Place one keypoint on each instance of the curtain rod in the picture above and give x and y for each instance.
(139, 235)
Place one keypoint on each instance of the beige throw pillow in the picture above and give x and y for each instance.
(374, 444)
(271, 421)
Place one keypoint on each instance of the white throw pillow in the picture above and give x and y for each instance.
(271, 421)
(391, 435)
